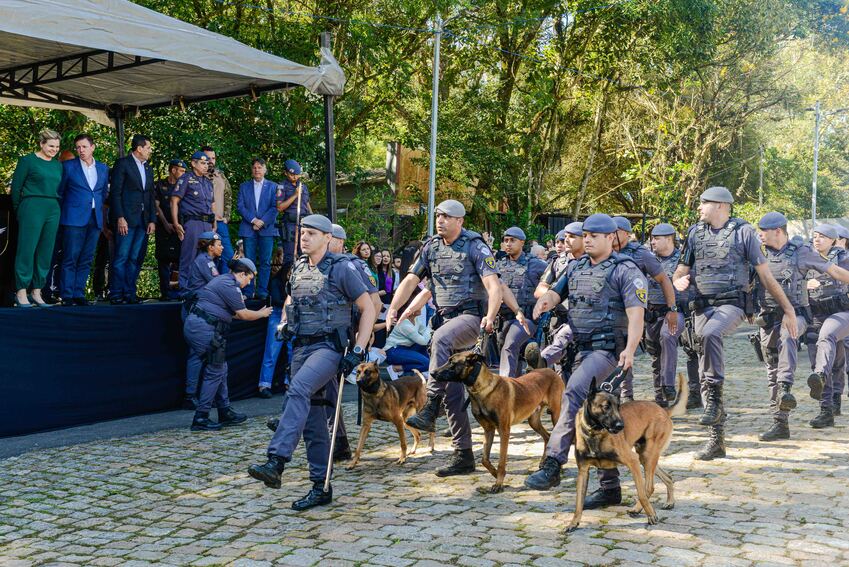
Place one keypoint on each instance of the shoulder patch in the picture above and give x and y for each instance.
(641, 294)
(489, 261)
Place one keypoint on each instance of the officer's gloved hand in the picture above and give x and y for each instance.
(351, 361)
(282, 333)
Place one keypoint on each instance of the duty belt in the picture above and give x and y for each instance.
(312, 339)
(702, 302)
(769, 318)
(598, 341)
(830, 306)
(466, 308)
(203, 218)
(219, 324)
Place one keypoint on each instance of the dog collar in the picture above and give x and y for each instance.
(590, 420)
(372, 389)
(473, 377)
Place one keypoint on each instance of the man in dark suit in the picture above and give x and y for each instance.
(258, 207)
(132, 210)
(85, 183)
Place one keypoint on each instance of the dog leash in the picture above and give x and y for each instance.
(612, 383)
(481, 347)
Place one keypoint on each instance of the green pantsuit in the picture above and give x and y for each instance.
(38, 221)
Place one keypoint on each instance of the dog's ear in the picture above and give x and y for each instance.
(476, 357)
(593, 389)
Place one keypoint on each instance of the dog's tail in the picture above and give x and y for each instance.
(680, 407)
(420, 375)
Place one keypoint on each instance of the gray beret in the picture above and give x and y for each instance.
(318, 222)
(600, 223)
(247, 263)
(772, 220)
(717, 195)
(574, 228)
(622, 223)
(515, 232)
(451, 208)
(209, 235)
(338, 232)
(560, 235)
(663, 229)
(827, 230)
(842, 231)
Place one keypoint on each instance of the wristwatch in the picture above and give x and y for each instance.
(674, 309)
(358, 349)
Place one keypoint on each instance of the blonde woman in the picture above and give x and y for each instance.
(35, 198)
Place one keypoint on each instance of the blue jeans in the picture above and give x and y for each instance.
(125, 267)
(410, 357)
(223, 231)
(78, 244)
(259, 249)
(272, 349)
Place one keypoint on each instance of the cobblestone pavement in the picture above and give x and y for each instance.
(184, 499)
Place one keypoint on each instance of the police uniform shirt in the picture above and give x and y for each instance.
(645, 259)
(746, 242)
(653, 285)
(162, 189)
(287, 189)
(195, 193)
(202, 271)
(627, 280)
(222, 297)
(365, 273)
(344, 280)
(555, 268)
(536, 268)
(480, 255)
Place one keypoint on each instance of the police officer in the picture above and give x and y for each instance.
(829, 306)
(167, 241)
(222, 197)
(840, 381)
(520, 274)
(191, 209)
(607, 299)
(463, 280)
(661, 342)
(206, 330)
(718, 254)
(652, 268)
(288, 193)
(323, 288)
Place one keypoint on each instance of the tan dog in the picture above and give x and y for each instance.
(390, 401)
(499, 403)
(607, 434)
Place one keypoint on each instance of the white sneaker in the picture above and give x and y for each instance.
(391, 371)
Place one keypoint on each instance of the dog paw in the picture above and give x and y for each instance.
(494, 489)
(401, 461)
(652, 520)
(350, 467)
(634, 513)
(668, 506)
(570, 528)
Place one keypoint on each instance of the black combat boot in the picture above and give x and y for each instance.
(315, 497)
(835, 405)
(425, 420)
(201, 422)
(714, 411)
(602, 498)
(779, 430)
(715, 446)
(228, 417)
(816, 382)
(272, 423)
(462, 462)
(341, 450)
(669, 394)
(824, 419)
(694, 399)
(786, 400)
(269, 473)
(548, 475)
(532, 356)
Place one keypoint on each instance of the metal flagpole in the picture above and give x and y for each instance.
(816, 162)
(434, 112)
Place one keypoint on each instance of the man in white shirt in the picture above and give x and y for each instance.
(258, 207)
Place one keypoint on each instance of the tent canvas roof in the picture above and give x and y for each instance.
(92, 55)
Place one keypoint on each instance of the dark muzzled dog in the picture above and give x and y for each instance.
(635, 433)
(499, 403)
(390, 401)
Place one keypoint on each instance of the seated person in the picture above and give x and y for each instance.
(407, 344)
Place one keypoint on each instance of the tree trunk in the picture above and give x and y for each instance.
(595, 143)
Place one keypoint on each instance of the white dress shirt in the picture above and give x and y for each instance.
(140, 165)
(258, 192)
(90, 172)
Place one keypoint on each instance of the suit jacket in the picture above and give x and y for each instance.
(128, 198)
(76, 195)
(267, 211)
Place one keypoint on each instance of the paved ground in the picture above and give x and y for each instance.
(174, 497)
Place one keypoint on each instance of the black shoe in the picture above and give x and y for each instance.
(548, 475)
(602, 498)
(117, 301)
(779, 430)
(446, 433)
(272, 423)
(835, 405)
(714, 411)
(269, 473)
(462, 462)
(715, 446)
(824, 419)
(228, 417)
(265, 393)
(82, 301)
(133, 301)
(816, 382)
(694, 399)
(669, 393)
(190, 403)
(425, 420)
(341, 450)
(201, 422)
(786, 401)
(315, 497)
(51, 300)
(532, 356)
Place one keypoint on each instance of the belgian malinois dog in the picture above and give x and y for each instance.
(607, 434)
(499, 403)
(390, 401)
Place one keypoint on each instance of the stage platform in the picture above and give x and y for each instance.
(66, 366)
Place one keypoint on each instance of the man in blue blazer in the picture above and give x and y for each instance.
(258, 207)
(84, 186)
(132, 210)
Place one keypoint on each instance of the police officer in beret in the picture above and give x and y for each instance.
(520, 274)
(323, 288)
(206, 330)
(607, 300)
(191, 209)
(167, 241)
(463, 280)
(718, 254)
(288, 193)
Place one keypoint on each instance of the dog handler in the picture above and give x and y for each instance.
(607, 301)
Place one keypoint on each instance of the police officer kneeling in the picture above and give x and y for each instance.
(318, 312)
(206, 330)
